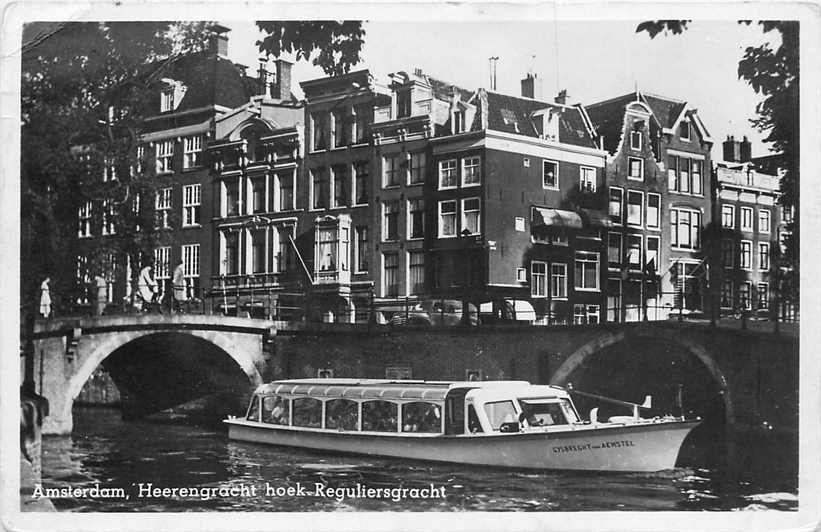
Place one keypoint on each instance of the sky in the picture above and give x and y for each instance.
(592, 60)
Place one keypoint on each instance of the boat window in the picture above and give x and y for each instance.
(276, 410)
(540, 413)
(500, 412)
(421, 417)
(253, 409)
(379, 416)
(307, 412)
(474, 425)
(569, 411)
(341, 414)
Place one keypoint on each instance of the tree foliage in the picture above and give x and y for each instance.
(337, 45)
(772, 70)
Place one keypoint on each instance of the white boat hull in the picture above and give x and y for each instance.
(642, 447)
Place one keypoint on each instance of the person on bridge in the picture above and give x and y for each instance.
(147, 286)
(45, 298)
(179, 286)
(101, 286)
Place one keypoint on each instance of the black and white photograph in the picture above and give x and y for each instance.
(484, 264)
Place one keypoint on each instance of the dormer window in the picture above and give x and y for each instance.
(459, 121)
(167, 100)
(403, 103)
(550, 127)
(684, 130)
(635, 140)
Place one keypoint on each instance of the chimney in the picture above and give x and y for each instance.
(561, 98)
(532, 86)
(281, 88)
(218, 43)
(732, 150)
(263, 81)
(746, 150)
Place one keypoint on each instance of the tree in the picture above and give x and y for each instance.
(772, 71)
(338, 44)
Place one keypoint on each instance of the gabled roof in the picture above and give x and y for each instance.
(514, 114)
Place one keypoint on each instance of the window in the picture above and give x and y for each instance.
(162, 263)
(257, 194)
(614, 250)
(258, 238)
(361, 233)
(728, 253)
(635, 168)
(651, 259)
(653, 210)
(684, 228)
(163, 207)
(786, 214)
(471, 171)
(380, 416)
(684, 175)
(233, 201)
(84, 217)
(697, 187)
(416, 271)
(558, 279)
(284, 255)
(417, 168)
(672, 173)
(109, 169)
(744, 290)
(341, 128)
(286, 190)
(684, 130)
(633, 252)
(635, 140)
(521, 275)
(416, 218)
(340, 185)
(587, 179)
(550, 175)
(587, 270)
(360, 122)
(763, 296)
(403, 103)
(728, 216)
(459, 121)
(307, 412)
(391, 170)
(746, 219)
(615, 204)
(421, 417)
(192, 151)
(167, 100)
(538, 278)
(191, 269)
(447, 174)
(276, 410)
(447, 218)
(165, 155)
(341, 414)
(390, 274)
(320, 131)
(361, 182)
(109, 217)
(390, 220)
(191, 205)
(320, 188)
(745, 260)
(635, 200)
(230, 256)
(327, 248)
(727, 293)
(500, 412)
(140, 159)
(764, 256)
(763, 221)
(471, 215)
(584, 314)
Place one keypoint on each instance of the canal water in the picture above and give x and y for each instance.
(106, 452)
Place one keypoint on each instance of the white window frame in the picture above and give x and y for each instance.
(191, 204)
(167, 99)
(766, 287)
(385, 290)
(655, 253)
(636, 134)
(538, 289)
(748, 304)
(417, 164)
(393, 170)
(521, 275)
(750, 226)
(562, 277)
(410, 265)
(192, 152)
(162, 264)
(674, 241)
(478, 210)
(358, 244)
(630, 176)
(191, 266)
(764, 227)
(761, 266)
(109, 221)
(728, 209)
(657, 222)
(162, 205)
(741, 261)
(455, 215)
(583, 178)
(578, 284)
(621, 204)
(448, 164)
(385, 205)
(475, 162)
(696, 177)
(545, 164)
(409, 218)
(640, 205)
(84, 216)
(628, 248)
(165, 156)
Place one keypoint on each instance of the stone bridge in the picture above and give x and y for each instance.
(159, 361)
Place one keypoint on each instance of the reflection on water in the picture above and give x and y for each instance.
(108, 452)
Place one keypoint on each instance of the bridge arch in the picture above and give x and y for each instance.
(607, 338)
(107, 343)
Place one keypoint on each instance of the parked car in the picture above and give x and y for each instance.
(507, 311)
(436, 312)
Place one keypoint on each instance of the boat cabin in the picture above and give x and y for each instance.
(419, 408)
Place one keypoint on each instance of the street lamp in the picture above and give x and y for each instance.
(465, 310)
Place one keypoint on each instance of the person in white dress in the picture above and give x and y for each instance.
(45, 298)
(147, 286)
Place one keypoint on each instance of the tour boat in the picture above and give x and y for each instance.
(486, 423)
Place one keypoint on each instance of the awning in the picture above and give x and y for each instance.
(386, 390)
(555, 217)
(595, 218)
